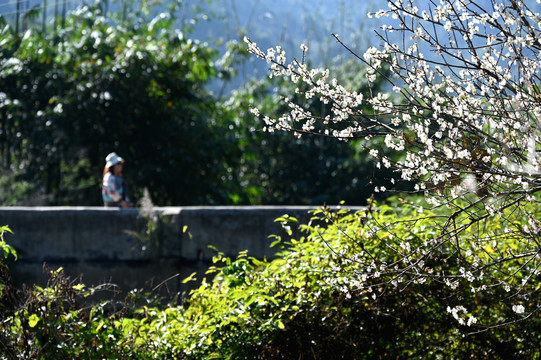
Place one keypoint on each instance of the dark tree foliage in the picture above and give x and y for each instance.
(135, 83)
(280, 168)
(103, 84)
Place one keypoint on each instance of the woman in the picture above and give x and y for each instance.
(113, 192)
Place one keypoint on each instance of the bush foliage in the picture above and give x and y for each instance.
(323, 299)
(320, 298)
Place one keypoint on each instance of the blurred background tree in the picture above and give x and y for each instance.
(103, 84)
(134, 80)
(279, 168)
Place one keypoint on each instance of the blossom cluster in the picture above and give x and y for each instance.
(469, 123)
(465, 114)
(460, 314)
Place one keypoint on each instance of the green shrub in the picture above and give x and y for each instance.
(348, 288)
(324, 298)
(7, 250)
(60, 322)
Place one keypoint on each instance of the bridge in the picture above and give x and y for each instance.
(105, 245)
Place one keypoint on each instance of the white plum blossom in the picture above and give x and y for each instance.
(58, 108)
(519, 309)
(464, 111)
(471, 320)
(474, 132)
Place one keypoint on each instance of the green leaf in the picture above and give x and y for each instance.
(100, 325)
(33, 320)
(5, 228)
(190, 278)
(79, 287)
(275, 242)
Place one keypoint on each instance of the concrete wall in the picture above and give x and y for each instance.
(108, 245)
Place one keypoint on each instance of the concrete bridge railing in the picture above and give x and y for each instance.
(105, 245)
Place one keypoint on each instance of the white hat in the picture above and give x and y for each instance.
(113, 159)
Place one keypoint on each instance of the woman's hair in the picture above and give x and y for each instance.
(110, 169)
